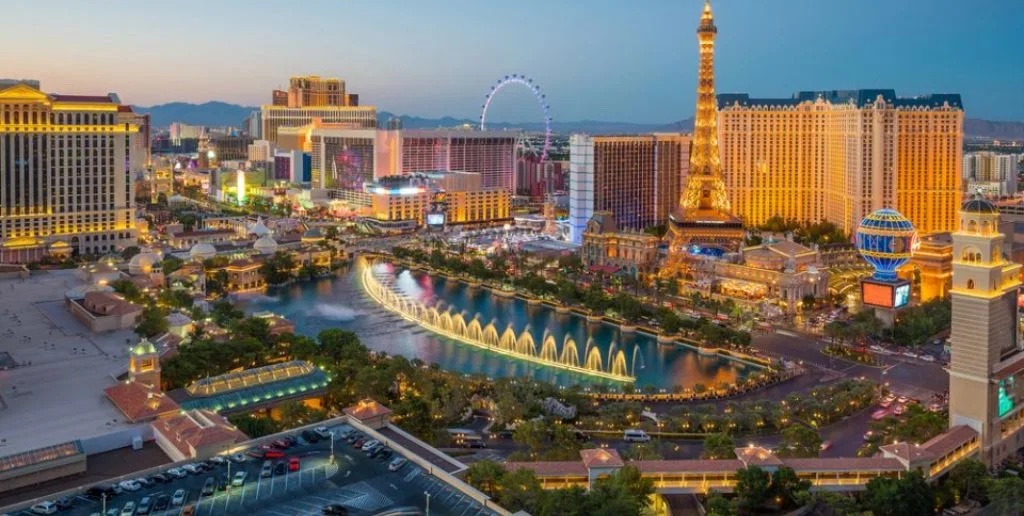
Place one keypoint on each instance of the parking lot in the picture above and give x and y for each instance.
(362, 484)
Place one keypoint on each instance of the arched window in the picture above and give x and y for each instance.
(970, 284)
(972, 226)
(986, 227)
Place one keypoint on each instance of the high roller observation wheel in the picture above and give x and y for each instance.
(541, 99)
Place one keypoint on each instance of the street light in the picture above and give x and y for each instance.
(428, 502)
(332, 446)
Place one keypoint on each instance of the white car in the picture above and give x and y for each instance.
(397, 464)
(218, 459)
(191, 468)
(178, 498)
(130, 485)
(323, 432)
(177, 473)
(128, 509)
(239, 479)
(927, 358)
(237, 458)
(44, 508)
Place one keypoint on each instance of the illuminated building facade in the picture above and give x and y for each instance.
(991, 174)
(932, 264)
(312, 97)
(488, 153)
(702, 221)
(409, 199)
(782, 272)
(604, 245)
(228, 147)
(986, 372)
(537, 178)
(66, 175)
(636, 178)
(839, 155)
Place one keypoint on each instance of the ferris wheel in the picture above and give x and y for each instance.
(521, 80)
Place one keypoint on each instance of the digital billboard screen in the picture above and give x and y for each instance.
(877, 294)
(902, 296)
(435, 219)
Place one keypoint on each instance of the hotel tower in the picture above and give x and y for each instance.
(66, 173)
(703, 220)
(986, 371)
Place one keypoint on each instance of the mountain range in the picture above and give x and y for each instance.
(219, 114)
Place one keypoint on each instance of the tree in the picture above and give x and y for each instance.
(563, 502)
(718, 505)
(624, 493)
(906, 496)
(787, 487)
(129, 252)
(278, 268)
(969, 478)
(1007, 495)
(171, 264)
(719, 446)
(188, 221)
(151, 323)
(753, 487)
(644, 451)
(808, 301)
(255, 426)
(830, 503)
(224, 312)
(519, 490)
(530, 434)
(800, 441)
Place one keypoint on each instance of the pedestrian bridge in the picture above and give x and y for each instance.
(933, 459)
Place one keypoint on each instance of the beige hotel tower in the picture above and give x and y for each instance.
(986, 373)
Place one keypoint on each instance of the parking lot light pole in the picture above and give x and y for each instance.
(103, 496)
(332, 446)
(428, 502)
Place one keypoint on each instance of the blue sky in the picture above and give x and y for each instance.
(596, 59)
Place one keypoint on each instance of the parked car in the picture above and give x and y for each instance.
(280, 468)
(927, 358)
(237, 458)
(358, 444)
(145, 481)
(255, 453)
(273, 454)
(178, 497)
(209, 486)
(162, 502)
(177, 473)
(293, 464)
(130, 485)
(144, 505)
(310, 436)
(368, 446)
(161, 478)
(353, 437)
(267, 470)
(280, 444)
(323, 432)
(335, 509)
(385, 453)
(239, 479)
(128, 509)
(192, 468)
(397, 464)
(44, 508)
(635, 436)
(879, 414)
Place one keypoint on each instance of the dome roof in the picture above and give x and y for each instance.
(313, 234)
(144, 347)
(143, 263)
(979, 205)
(265, 244)
(259, 228)
(202, 251)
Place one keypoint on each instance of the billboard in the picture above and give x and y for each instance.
(884, 294)
(877, 294)
(435, 219)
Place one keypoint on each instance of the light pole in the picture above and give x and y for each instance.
(332, 446)
(103, 496)
(428, 502)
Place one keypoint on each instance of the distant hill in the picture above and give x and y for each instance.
(212, 114)
(224, 114)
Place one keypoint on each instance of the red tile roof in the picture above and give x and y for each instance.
(105, 303)
(685, 466)
(140, 402)
(601, 458)
(367, 409)
(757, 456)
(551, 469)
(195, 429)
(950, 440)
(124, 109)
(844, 464)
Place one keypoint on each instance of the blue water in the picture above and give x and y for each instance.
(339, 302)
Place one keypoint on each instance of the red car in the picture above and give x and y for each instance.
(293, 464)
(358, 444)
(273, 454)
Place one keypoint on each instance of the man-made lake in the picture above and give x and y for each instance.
(339, 302)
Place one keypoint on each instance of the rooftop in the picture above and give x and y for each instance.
(859, 98)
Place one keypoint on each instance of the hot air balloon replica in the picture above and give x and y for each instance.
(887, 240)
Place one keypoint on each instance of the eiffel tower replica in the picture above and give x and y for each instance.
(702, 226)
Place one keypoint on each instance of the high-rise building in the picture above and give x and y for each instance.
(253, 125)
(488, 153)
(991, 174)
(986, 370)
(314, 98)
(636, 178)
(537, 178)
(840, 155)
(180, 132)
(66, 178)
(703, 222)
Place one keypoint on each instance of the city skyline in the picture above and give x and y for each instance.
(439, 59)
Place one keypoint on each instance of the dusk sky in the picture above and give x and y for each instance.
(611, 60)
